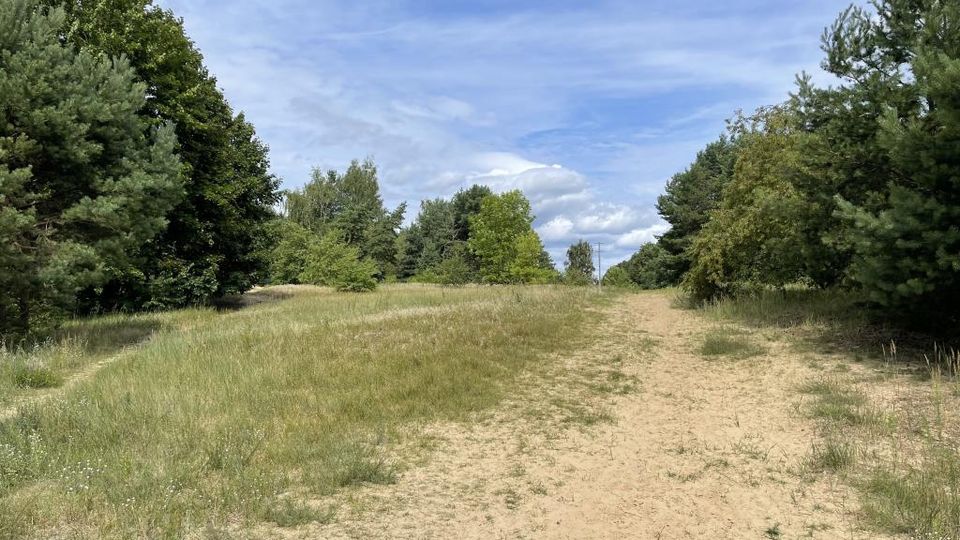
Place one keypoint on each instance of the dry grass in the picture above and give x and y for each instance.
(888, 422)
(230, 418)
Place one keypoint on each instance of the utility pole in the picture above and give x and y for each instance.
(599, 269)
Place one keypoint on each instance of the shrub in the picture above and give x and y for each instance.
(617, 276)
(330, 262)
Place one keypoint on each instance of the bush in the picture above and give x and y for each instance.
(453, 271)
(330, 262)
(617, 276)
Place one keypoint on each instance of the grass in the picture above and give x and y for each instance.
(229, 419)
(921, 499)
(34, 377)
(831, 455)
(892, 434)
(837, 402)
(722, 342)
(76, 345)
(818, 320)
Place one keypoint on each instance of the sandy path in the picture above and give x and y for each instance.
(704, 449)
(37, 397)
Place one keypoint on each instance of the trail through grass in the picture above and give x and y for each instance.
(221, 417)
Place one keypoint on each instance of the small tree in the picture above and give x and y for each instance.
(579, 264)
(494, 234)
(650, 267)
(455, 268)
(288, 257)
(527, 266)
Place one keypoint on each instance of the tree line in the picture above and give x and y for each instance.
(126, 179)
(127, 182)
(855, 185)
(477, 236)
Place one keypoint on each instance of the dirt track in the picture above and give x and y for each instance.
(702, 449)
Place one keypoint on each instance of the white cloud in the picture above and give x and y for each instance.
(558, 228)
(637, 237)
(450, 95)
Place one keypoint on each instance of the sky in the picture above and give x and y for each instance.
(589, 107)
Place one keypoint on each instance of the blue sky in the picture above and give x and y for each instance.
(589, 107)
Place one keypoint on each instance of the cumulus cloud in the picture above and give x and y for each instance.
(558, 228)
(638, 237)
(586, 107)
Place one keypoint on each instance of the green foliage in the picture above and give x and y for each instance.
(350, 203)
(205, 251)
(430, 240)
(302, 256)
(690, 197)
(580, 267)
(757, 234)
(907, 251)
(617, 276)
(528, 264)
(467, 203)
(291, 243)
(651, 267)
(496, 234)
(857, 181)
(84, 180)
(455, 268)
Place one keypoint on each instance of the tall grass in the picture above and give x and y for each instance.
(830, 320)
(892, 435)
(222, 418)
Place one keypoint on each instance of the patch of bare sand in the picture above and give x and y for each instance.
(703, 449)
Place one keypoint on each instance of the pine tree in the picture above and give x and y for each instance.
(207, 248)
(85, 181)
(907, 252)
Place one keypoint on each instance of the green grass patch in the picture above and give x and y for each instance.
(831, 455)
(219, 416)
(289, 513)
(726, 343)
(35, 377)
(840, 403)
(921, 500)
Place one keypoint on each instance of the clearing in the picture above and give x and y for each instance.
(479, 412)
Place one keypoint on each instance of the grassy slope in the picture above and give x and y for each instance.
(219, 416)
